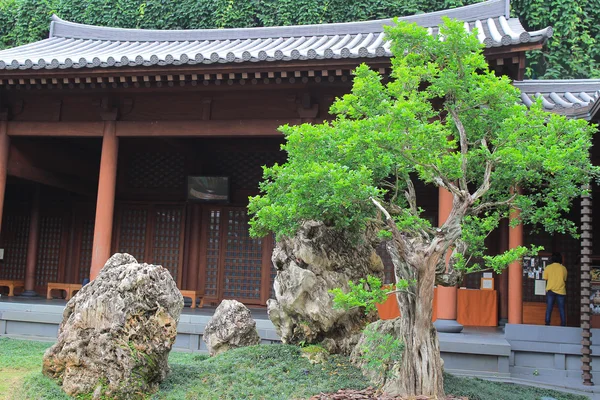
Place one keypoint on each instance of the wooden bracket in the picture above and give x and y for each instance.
(57, 116)
(108, 110)
(206, 108)
(126, 106)
(305, 107)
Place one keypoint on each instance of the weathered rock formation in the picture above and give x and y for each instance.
(308, 265)
(377, 376)
(116, 333)
(230, 327)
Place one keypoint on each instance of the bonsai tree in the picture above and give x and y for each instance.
(442, 118)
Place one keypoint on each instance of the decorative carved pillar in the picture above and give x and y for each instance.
(586, 261)
(515, 274)
(446, 296)
(32, 244)
(4, 154)
(105, 203)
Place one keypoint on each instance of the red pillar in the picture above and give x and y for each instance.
(105, 203)
(32, 245)
(446, 296)
(4, 153)
(503, 277)
(194, 257)
(515, 275)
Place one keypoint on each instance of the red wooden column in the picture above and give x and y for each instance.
(446, 296)
(105, 204)
(515, 274)
(4, 153)
(503, 277)
(194, 255)
(32, 245)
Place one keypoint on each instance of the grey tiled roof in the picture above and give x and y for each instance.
(578, 98)
(72, 45)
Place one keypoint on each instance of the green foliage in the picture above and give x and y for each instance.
(366, 293)
(574, 50)
(380, 351)
(444, 119)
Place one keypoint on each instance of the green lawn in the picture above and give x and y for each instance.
(259, 372)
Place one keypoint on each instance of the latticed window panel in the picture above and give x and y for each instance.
(213, 238)
(245, 169)
(167, 238)
(132, 232)
(243, 259)
(15, 233)
(156, 170)
(85, 249)
(51, 232)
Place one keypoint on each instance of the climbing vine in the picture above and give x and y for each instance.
(573, 52)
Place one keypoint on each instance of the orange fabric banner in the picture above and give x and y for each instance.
(389, 309)
(477, 307)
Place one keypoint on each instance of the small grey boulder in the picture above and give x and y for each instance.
(230, 327)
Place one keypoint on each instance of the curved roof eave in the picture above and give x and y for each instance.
(73, 45)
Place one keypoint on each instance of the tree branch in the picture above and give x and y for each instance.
(464, 148)
(495, 204)
(395, 232)
(487, 175)
(411, 195)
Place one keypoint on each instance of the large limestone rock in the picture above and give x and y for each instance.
(117, 332)
(366, 349)
(230, 327)
(308, 265)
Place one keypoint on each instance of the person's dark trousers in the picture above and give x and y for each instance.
(552, 297)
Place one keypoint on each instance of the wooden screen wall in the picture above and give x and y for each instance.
(233, 265)
(15, 233)
(152, 233)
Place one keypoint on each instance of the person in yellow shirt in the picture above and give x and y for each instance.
(555, 275)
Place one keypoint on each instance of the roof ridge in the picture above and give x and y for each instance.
(478, 11)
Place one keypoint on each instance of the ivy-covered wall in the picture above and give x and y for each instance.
(574, 52)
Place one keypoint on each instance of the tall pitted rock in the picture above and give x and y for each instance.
(230, 327)
(308, 265)
(116, 333)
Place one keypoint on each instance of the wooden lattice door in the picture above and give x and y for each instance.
(15, 234)
(52, 247)
(152, 233)
(235, 266)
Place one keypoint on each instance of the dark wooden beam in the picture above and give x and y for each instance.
(59, 157)
(61, 129)
(21, 167)
(214, 128)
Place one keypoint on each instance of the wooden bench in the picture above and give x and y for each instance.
(192, 294)
(11, 285)
(69, 288)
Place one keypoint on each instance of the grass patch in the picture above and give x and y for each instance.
(18, 360)
(270, 372)
(479, 389)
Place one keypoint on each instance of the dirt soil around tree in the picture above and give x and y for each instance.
(372, 394)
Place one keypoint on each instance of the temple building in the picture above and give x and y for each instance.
(150, 142)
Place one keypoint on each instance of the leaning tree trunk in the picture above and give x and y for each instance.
(420, 371)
